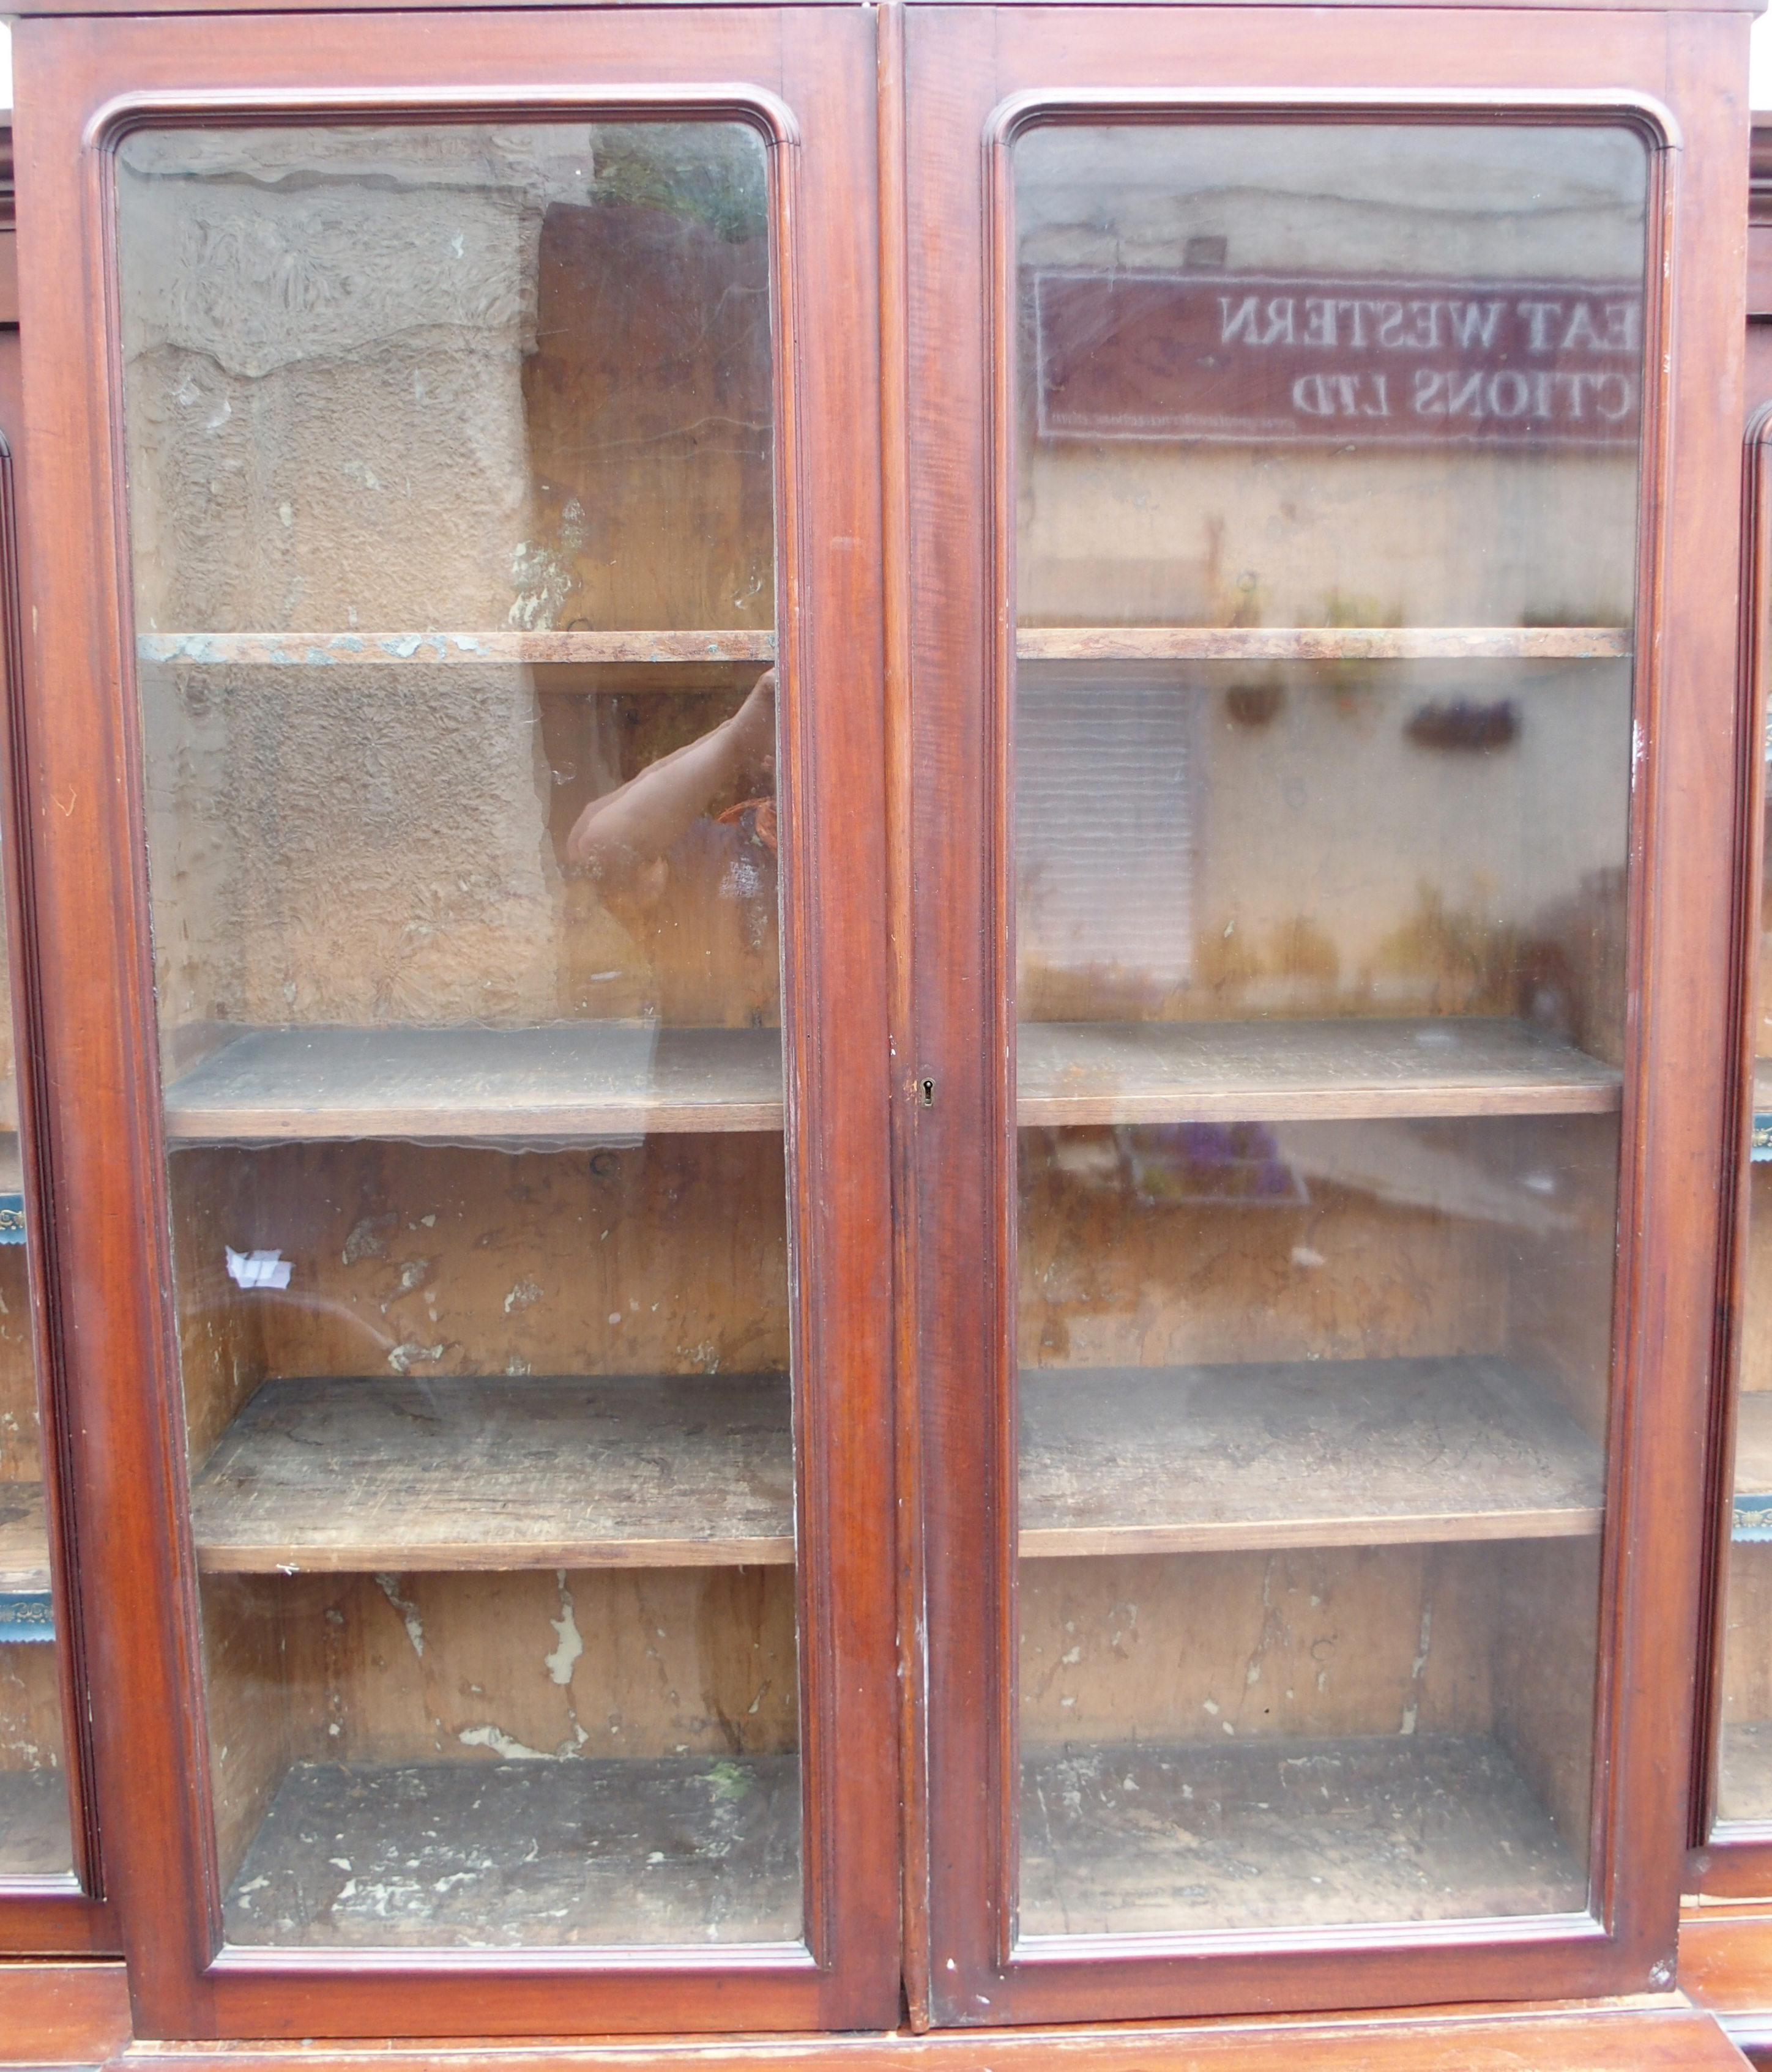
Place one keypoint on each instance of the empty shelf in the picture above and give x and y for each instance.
(24, 1540)
(1297, 1454)
(1094, 1072)
(598, 1079)
(638, 1472)
(568, 1079)
(1150, 1839)
(1321, 644)
(342, 1474)
(518, 1855)
(300, 651)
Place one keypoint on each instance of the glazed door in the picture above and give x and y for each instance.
(486, 965)
(50, 1876)
(1305, 1472)
(1732, 1827)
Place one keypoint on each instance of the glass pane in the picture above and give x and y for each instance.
(36, 1840)
(451, 484)
(1326, 489)
(1743, 1781)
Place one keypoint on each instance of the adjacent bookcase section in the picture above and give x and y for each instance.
(1743, 1782)
(450, 461)
(1323, 442)
(36, 1836)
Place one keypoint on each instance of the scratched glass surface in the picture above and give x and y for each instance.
(1327, 482)
(450, 485)
(1744, 1777)
(36, 1840)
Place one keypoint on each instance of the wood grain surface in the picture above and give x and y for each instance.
(1660, 2032)
(568, 1079)
(1079, 1072)
(640, 1472)
(1313, 644)
(1306, 1453)
(579, 1079)
(62, 2012)
(342, 1474)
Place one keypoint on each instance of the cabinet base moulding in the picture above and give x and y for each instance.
(1662, 2033)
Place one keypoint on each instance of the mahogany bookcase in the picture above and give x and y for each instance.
(860, 863)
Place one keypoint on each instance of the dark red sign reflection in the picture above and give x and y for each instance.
(1238, 358)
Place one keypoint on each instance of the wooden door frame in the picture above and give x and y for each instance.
(65, 1914)
(806, 76)
(965, 67)
(1733, 1860)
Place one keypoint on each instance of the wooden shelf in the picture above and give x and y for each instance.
(1095, 1072)
(24, 1540)
(599, 1079)
(1298, 1453)
(571, 1080)
(517, 1855)
(341, 1473)
(638, 1472)
(1272, 1833)
(1321, 644)
(309, 651)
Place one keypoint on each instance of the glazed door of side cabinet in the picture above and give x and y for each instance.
(49, 1871)
(1732, 1827)
(1312, 1472)
(481, 984)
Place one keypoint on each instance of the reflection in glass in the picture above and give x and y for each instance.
(1325, 486)
(451, 501)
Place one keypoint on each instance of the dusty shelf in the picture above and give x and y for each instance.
(1321, 644)
(310, 651)
(515, 1855)
(589, 1079)
(1095, 1072)
(569, 1079)
(1297, 1454)
(340, 1473)
(1265, 1833)
(343, 1473)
